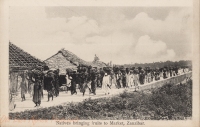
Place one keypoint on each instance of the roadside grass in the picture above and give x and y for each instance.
(169, 102)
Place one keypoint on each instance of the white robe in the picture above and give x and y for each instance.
(131, 83)
(106, 81)
(135, 79)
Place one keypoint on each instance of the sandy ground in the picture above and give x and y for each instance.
(65, 97)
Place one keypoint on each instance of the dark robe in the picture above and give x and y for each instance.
(62, 80)
(84, 82)
(48, 83)
(56, 84)
(165, 75)
(98, 80)
(37, 93)
(124, 80)
(94, 82)
(73, 83)
(102, 73)
(141, 78)
(118, 77)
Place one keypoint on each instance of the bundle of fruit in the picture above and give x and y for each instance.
(69, 70)
(37, 74)
(107, 69)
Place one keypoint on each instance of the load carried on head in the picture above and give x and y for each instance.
(107, 70)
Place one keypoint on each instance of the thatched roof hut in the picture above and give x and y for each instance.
(64, 59)
(21, 60)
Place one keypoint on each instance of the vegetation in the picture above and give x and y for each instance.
(170, 102)
(180, 63)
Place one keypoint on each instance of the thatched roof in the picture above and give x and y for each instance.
(19, 59)
(65, 59)
(99, 64)
(74, 59)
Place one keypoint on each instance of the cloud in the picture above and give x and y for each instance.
(175, 22)
(152, 50)
(29, 28)
(114, 46)
(81, 26)
(175, 30)
(114, 37)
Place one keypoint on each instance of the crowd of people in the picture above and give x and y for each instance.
(35, 81)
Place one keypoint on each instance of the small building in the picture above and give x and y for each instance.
(64, 59)
(19, 62)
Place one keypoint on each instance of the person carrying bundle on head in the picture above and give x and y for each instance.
(68, 79)
(124, 78)
(148, 75)
(86, 81)
(141, 76)
(131, 77)
(98, 79)
(112, 78)
(56, 81)
(135, 78)
(94, 81)
(127, 74)
(48, 84)
(37, 87)
(164, 73)
(170, 71)
(157, 74)
(152, 72)
(72, 77)
(102, 73)
(116, 74)
(119, 79)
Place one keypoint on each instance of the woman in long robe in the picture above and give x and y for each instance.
(127, 80)
(136, 80)
(29, 82)
(23, 87)
(124, 79)
(56, 82)
(37, 93)
(119, 79)
(73, 83)
(98, 79)
(94, 82)
(131, 79)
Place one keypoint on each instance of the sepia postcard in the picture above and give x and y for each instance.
(99, 63)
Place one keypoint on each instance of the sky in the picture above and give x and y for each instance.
(122, 35)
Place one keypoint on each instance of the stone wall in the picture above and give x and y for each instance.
(160, 83)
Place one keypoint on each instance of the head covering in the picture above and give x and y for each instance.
(106, 74)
